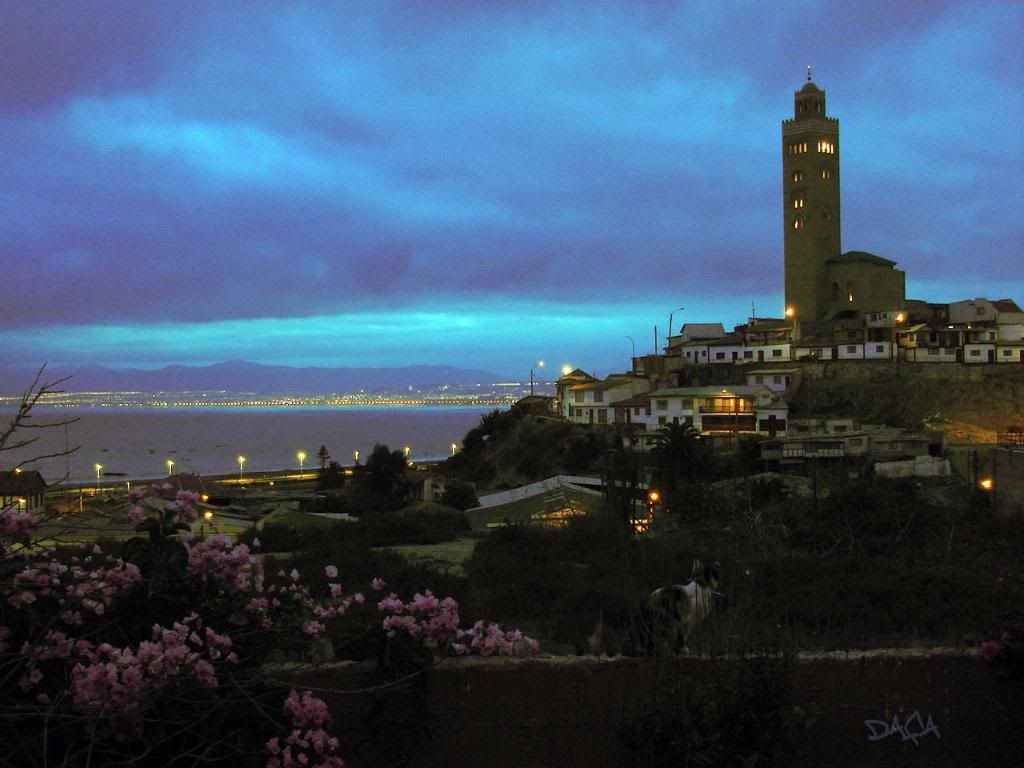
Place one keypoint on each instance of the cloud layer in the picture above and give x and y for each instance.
(178, 176)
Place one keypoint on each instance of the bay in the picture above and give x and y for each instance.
(138, 442)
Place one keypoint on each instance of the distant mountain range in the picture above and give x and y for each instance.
(243, 376)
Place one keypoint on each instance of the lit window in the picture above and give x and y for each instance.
(826, 173)
(826, 148)
(798, 223)
(798, 202)
(798, 176)
(849, 290)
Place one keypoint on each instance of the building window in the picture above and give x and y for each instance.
(975, 353)
(686, 405)
(798, 202)
(759, 379)
(662, 420)
(851, 348)
(719, 355)
(826, 173)
(981, 311)
(748, 354)
(777, 379)
(661, 405)
(599, 397)
(835, 291)
(856, 441)
(798, 176)
(797, 148)
(949, 350)
(602, 416)
(826, 147)
(577, 397)
(879, 348)
(1007, 353)
(776, 353)
(849, 290)
(798, 222)
(579, 413)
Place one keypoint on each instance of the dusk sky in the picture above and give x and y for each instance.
(480, 184)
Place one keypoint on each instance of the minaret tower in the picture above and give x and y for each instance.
(810, 201)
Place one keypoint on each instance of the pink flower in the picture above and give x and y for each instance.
(136, 515)
(331, 571)
(377, 584)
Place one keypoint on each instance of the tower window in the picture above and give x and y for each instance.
(849, 290)
(826, 147)
(826, 173)
(798, 222)
(798, 176)
(798, 202)
(797, 148)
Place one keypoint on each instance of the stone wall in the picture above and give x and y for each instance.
(560, 712)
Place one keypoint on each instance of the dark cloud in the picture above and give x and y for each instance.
(206, 162)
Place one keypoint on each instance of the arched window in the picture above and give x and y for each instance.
(849, 290)
(798, 176)
(835, 291)
(798, 222)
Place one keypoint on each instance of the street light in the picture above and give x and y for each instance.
(633, 345)
(405, 451)
(302, 458)
(241, 463)
(540, 364)
(790, 312)
(170, 463)
(355, 455)
(566, 369)
(455, 447)
(900, 317)
(99, 469)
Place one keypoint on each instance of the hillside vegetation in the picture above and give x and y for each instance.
(965, 409)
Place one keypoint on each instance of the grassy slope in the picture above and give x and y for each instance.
(964, 410)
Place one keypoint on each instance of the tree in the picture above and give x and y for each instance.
(330, 477)
(460, 495)
(383, 477)
(680, 454)
(324, 456)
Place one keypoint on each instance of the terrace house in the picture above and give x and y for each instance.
(591, 402)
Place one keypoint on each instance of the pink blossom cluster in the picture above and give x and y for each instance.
(425, 618)
(436, 623)
(123, 678)
(232, 566)
(184, 506)
(15, 527)
(308, 745)
(86, 585)
(489, 639)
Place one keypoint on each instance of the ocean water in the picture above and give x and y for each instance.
(138, 441)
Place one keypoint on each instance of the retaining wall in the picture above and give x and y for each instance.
(565, 712)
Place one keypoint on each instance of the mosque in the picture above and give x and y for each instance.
(822, 282)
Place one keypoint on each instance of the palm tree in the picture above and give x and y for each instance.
(680, 453)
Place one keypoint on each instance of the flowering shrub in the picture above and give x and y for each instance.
(140, 658)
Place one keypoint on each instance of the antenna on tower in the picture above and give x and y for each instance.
(808, 73)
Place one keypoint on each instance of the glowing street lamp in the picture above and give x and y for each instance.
(790, 312)
(301, 455)
(455, 447)
(405, 451)
(99, 469)
(539, 364)
(355, 455)
(566, 369)
(241, 463)
(986, 484)
(170, 464)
